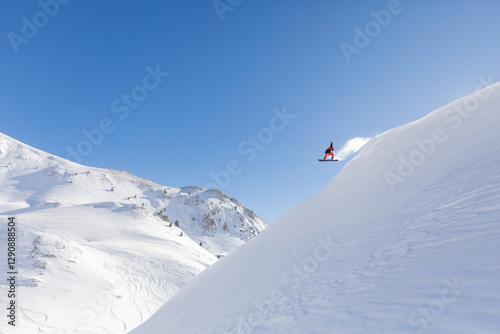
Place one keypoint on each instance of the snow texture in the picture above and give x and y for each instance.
(97, 250)
(405, 239)
(351, 147)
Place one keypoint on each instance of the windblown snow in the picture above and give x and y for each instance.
(405, 239)
(99, 251)
(351, 147)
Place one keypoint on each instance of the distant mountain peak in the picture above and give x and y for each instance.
(93, 234)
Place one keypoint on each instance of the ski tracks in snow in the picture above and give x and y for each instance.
(140, 291)
(37, 318)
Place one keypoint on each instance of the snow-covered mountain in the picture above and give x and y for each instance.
(405, 239)
(98, 250)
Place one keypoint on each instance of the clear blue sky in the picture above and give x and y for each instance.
(80, 65)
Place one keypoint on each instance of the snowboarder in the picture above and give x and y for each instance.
(329, 151)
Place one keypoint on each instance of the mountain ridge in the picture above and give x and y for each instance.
(87, 234)
(409, 216)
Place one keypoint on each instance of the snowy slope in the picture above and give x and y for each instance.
(405, 239)
(96, 251)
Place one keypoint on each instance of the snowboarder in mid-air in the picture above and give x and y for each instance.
(329, 153)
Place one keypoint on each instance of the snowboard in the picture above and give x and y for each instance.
(328, 159)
